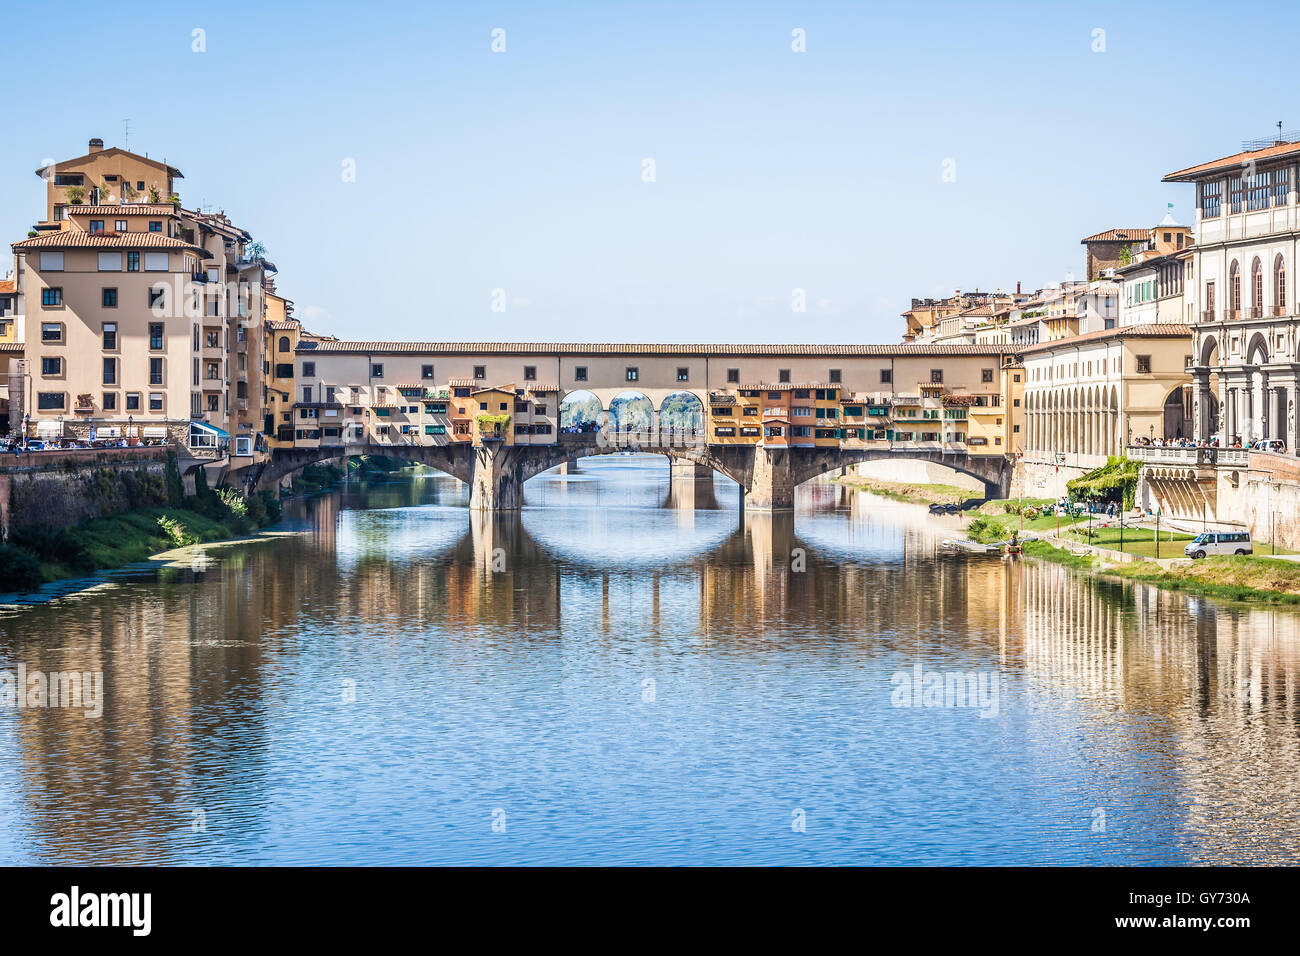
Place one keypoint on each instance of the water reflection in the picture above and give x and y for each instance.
(635, 672)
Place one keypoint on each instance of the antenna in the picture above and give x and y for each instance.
(126, 134)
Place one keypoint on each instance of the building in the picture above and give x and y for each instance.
(1089, 396)
(1241, 285)
(148, 317)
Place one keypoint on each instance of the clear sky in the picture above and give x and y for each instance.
(774, 171)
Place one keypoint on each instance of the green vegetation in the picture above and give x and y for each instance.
(375, 465)
(902, 491)
(987, 528)
(42, 552)
(1013, 506)
(1139, 541)
(1116, 479)
(495, 425)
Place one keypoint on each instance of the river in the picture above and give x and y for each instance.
(630, 671)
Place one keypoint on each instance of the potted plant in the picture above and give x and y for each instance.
(76, 195)
(154, 195)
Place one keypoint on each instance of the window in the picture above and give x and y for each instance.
(133, 401)
(110, 298)
(50, 401)
(986, 375)
(214, 402)
(110, 401)
(96, 225)
(435, 429)
(580, 373)
(133, 262)
(110, 336)
(530, 373)
(306, 394)
(1234, 194)
(733, 375)
(110, 371)
(480, 371)
(836, 376)
(1279, 286)
(308, 369)
(119, 225)
(155, 262)
(1234, 290)
(51, 331)
(109, 261)
(936, 376)
(1257, 287)
(68, 179)
(886, 376)
(783, 375)
(157, 298)
(376, 370)
(426, 371)
(155, 335)
(155, 371)
(284, 343)
(52, 297)
(155, 226)
(51, 366)
(155, 401)
(1209, 195)
(1144, 364)
(683, 374)
(632, 373)
(1209, 299)
(51, 262)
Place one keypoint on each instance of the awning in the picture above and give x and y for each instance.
(154, 431)
(205, 426)
(49, 429)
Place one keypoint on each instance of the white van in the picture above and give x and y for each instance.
(1219, 542)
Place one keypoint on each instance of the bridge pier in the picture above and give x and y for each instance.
(772, 482)
(496, 478)
(684, 468)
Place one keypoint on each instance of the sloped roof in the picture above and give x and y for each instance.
(76, 239)
(630, 349)
(1118, 235)
(1233, 162)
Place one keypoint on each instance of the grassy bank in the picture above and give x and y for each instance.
(988, 528)
(38, 553)
(1230, 578)
(914, 494)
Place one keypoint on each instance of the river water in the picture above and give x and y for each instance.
(632, 672)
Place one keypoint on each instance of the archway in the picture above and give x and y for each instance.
(681, 412)
(1178, 413)
(581, 411)
(631, 411)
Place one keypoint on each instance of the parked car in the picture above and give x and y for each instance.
(1219, 542)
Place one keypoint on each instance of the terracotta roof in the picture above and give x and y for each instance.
(76, 239)
(1234, 162)
(282, 325)
(11, 347)
(1119, 235)
(121, 209)
(1155, 330)
(784, 387)
(62, 164)
(8, 285)
(616, 348)
(538, 389)
(461, 382)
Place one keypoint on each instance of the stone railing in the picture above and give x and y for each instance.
(1196, 456)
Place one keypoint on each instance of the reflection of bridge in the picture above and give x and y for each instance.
(496, 471)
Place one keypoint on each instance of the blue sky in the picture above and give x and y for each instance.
(774, 171)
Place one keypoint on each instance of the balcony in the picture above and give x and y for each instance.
(1208, 316)
(1190, 457)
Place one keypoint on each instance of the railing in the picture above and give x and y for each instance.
(1208, 315)
(1194, 456)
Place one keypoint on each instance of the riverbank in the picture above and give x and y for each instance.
(932, 494)
(1230, 578)
(40, 554)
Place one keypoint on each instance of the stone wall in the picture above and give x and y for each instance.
(67, 488)
(1040, 480)
(1265, 498)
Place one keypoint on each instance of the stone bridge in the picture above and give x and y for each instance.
(496, 471)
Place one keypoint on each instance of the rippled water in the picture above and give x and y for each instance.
(631, 672)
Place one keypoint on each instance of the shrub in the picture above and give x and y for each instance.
(176, 532)
(175, 489)
(234, 501)
(48, 543)
(19, 570)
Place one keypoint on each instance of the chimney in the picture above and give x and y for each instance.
(96, 145)
(1017, 288)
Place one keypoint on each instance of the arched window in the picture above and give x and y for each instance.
(1234, 291)
(1279, 286)
(1256, 288)
(284, 343)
